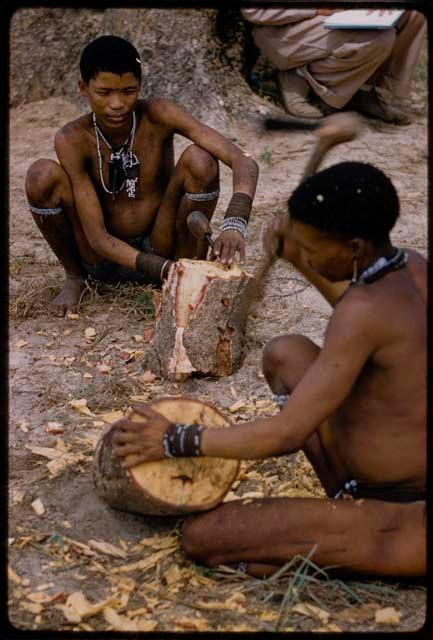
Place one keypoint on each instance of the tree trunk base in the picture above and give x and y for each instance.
(200, 326)
(174, 486)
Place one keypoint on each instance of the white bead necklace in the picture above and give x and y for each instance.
(128, 160)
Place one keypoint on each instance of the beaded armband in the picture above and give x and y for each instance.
(236, 224)
(182, 440)
(238, 213)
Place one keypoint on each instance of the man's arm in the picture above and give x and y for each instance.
(278, 240)
(244, 168)
(349, 342)
(87, 204)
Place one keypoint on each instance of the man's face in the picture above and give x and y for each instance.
(112, 97)
(330, 257)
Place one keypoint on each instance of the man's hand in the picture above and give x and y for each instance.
(138, 442)
(278, 239)
(227, 245)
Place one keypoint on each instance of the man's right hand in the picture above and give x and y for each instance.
(278, 240)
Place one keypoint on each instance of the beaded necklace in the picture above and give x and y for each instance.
(381, 267)
(123, 163)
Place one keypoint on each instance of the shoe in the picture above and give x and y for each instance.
(368, 103)
(294, 91)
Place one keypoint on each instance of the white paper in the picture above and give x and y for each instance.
(362, 19)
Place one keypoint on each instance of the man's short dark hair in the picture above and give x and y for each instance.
(350, 199)
(112, 54)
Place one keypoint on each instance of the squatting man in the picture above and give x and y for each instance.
(115, 205)
(350, 406)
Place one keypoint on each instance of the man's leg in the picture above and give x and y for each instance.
(354, 59)
(285, 361)
(51, 204)
(361, 536)
(397, 72)
(193, 185)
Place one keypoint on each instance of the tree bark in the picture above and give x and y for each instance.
(200, 325)
(197, 57)
(168, 487)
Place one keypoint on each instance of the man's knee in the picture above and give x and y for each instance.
(294, 351)
(384, 43)
(42, 178)
(192, 537)
(200, 164)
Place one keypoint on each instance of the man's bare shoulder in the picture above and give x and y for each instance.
(161, 111)
(366, 310)
(73, 133)
(417, 267)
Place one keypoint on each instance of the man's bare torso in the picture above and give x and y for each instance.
(153, 145)
(379, 433)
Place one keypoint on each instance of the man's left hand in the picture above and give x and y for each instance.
(137, 442)
(227, 245)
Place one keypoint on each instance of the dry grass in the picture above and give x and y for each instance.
(35, 293)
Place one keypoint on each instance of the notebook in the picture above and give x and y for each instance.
(361, 19)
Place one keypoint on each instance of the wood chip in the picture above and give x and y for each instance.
(90, 332)
(81, 406)
(21, 343)
(40, 598)
(78, 607)
(33, 607)
(173, 574)
(47, 452)
(38, 507)
(145, 563)
(236, 406)
(109, 549)
(112, 416)
(54, 428)
(192, 624)
(389, 615)
(13, 576)
(23, 425)
(306, 609)
(119, 623)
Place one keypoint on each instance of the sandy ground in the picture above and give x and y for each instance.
(54, 362)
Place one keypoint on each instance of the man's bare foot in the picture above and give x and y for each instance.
(68, 298)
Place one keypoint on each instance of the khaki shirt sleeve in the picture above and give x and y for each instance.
(276, 16)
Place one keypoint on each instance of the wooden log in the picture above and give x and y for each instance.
(200, 325)
(172, 486)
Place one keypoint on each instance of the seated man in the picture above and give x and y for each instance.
(362, 70)
(116, 205)
(351, 405)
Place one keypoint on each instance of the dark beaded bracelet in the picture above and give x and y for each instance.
(182, 440)
(155, 266)
(239, 206)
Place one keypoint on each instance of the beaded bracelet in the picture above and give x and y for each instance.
(280, 400)
(182, 440)
(236, 224)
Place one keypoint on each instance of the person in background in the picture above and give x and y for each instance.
(362, 70)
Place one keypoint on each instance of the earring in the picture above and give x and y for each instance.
(355, 271)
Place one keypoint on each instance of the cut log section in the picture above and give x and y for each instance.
(200, 326)
(173, 486)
